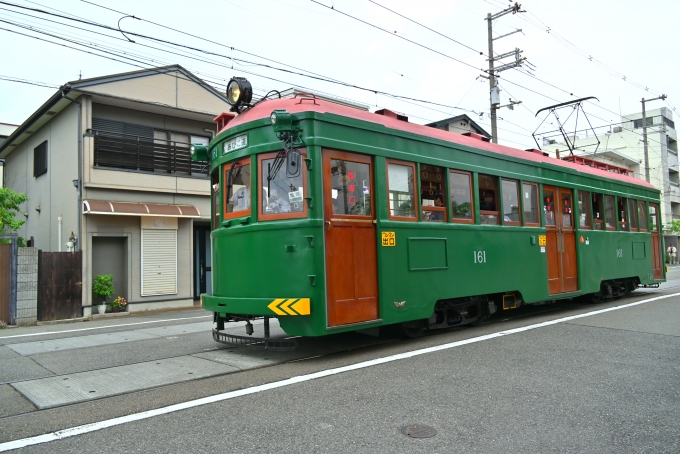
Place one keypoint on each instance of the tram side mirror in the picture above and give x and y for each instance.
(293, 163)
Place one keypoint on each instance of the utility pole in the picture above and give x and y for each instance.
(493, 83)
(644, 132)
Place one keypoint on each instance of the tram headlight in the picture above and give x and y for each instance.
(239, 93)
(282, 121)
(198, 152)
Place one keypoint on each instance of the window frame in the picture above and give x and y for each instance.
(261, 216)
(645, 210)
(536, 202)
(622, 225)
(216, 187)
(472, 197)
(655, 217)
(240, 162)
(633, 215)
(589, 214)
(487, 212)
(519, 203)
(40, 152)
(604, 198)
(414, 194)
(600, 220)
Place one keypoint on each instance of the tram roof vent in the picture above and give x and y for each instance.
(389, 113)
(222, 119)
(533, 150)
(474, 135)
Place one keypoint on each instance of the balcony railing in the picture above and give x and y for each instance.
(122, 151)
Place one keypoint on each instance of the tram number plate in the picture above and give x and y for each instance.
(389, 239)
(541, 240)
(479, 256)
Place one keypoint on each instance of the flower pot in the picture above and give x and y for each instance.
(102, 308)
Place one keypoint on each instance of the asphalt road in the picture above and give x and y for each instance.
(566, 377)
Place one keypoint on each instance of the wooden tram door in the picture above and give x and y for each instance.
(561, 240)
(656, 241)
(350, 231)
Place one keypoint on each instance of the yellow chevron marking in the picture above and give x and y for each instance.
(275, 309)
(285, 305)
(302, 306)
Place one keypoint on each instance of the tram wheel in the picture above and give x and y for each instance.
(595, 298)
(413, 329)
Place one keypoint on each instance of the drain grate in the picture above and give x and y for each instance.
(418, 431)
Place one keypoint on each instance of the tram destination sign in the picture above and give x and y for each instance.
(235, 144)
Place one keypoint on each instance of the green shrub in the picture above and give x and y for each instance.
(103, 286)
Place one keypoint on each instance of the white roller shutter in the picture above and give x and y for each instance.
(159, 262)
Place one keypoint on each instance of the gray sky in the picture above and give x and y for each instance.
(624, 38)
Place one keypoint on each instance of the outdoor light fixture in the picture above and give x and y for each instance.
(239, 93)
(76, 183)
(199, 152)
(282, 122)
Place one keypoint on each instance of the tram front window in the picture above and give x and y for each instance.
(237, 193)
(281, 194)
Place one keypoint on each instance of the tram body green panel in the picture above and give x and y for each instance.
(261, 263)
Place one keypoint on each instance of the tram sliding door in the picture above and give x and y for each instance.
(561, 240)
(350, 232)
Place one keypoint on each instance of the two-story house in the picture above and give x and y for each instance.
(105, 161)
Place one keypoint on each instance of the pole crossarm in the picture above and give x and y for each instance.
(519, 30)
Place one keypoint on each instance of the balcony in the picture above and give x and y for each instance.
(122, 151)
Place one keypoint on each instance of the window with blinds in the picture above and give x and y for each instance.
(159, 262)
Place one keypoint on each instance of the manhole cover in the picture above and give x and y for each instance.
(419, 431)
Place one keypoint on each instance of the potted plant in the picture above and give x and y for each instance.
(103, 288)
(118, 305)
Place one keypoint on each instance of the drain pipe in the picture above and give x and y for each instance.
(60, 218)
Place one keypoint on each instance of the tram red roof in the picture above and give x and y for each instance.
(297, 105)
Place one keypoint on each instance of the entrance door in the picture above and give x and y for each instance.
(657, 263)
(561, 240)
(351, 255)
(202, 262)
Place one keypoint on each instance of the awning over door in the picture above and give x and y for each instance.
(139, 209)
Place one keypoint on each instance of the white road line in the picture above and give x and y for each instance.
(87, 428)
(102, 327)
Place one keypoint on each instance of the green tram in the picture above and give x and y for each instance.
(361, 220)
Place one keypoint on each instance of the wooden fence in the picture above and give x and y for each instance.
(60, 286)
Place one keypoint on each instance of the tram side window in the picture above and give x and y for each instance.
(488, 199)
(632, 211)
(622, 213)
(460, 184)
(653, 217)
(215, 181)
(511, 214)
(584, 209)
(237, 189)
(351, 188)
(531, 204)
(282, 196)
(609, 218)
(432, 193)
(642, 215)
(598, 212)
(401, 190)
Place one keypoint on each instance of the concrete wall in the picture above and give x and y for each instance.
(27, 286)
(53, 191)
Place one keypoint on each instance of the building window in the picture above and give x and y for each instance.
(668, 123)
(40, 159)
(638, 123)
